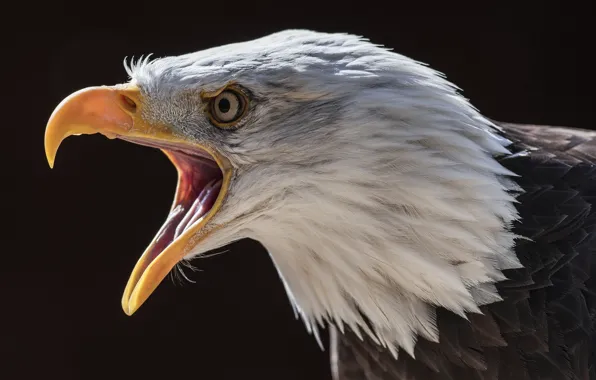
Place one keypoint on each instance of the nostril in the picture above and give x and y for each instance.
(130, 104)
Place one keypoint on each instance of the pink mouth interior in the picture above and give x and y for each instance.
(199, 184)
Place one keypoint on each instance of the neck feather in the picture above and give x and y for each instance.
(419, 218)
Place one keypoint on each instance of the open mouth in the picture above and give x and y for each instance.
(200, 181)
(204, 176)
(203, 180)
(199, 184)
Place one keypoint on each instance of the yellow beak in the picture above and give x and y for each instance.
(115, 112)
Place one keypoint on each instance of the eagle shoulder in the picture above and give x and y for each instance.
(570, 145)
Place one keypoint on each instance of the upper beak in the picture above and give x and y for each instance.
(104, 110)
(115, 112)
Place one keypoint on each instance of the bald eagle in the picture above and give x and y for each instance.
(434, 242)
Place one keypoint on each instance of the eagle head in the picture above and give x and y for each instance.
(370, 181)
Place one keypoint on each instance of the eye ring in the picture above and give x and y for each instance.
(228, 107)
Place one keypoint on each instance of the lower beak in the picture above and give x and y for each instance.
(115, 112)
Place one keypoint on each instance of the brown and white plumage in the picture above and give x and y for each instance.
(544, 327)
(393, 210)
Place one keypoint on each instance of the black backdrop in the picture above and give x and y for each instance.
(72, 235)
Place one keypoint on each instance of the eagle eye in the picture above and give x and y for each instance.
(227, 108)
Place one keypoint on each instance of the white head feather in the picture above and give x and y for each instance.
(367, 177)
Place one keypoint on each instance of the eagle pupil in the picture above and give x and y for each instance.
(224, 105)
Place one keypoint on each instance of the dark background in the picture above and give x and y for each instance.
(73, 234)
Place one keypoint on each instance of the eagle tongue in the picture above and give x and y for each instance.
(166, 233)
(184, 222)
(200, 206)
(208, 197)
